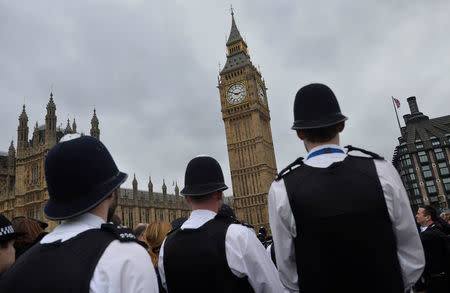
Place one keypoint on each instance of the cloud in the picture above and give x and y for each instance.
(151, 71)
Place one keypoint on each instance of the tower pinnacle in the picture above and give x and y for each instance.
(95, 131)
(235, 35)
(50, 122)
(164, 187)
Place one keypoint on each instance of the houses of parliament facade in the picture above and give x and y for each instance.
(23, 190)
(246, 116)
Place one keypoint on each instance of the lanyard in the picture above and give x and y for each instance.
(324, 151)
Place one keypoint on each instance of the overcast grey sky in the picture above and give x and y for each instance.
(150, 68)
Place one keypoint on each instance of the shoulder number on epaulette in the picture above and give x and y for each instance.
(232, 220)
(122, 233)
(236, 221)
(372, 154)
(289, 168)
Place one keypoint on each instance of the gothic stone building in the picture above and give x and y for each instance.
(422, 158)
(245, 112)
(23, 190)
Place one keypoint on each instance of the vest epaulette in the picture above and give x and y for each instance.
(122, 233)
(372, 154)
(233, 220)
(288, 169)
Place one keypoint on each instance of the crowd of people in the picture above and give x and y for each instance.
(338, 222)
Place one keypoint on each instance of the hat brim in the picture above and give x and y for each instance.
(203, 189)
(311, 124)
(81, 204)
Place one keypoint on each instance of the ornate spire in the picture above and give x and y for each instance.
(235, 35)
(135, 184)
(23, 115)
(68, 129)
(237, 53)
(50, 122)
(51, 105)
(94, 119)
(22, 132)
(74, 126)
(150, 186)
(36, 134)
(11, 155)
(11, 147)
(95, 131)
(164, 187)
(177, 190)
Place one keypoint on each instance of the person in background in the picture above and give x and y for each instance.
(7, 237)
(139, 232)
(437, 259)
(155, 235)
(33, 233)
(340, 223)
(443, 224)
(177, 222)
(115, 220)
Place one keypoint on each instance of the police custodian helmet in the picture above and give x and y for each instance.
(316, 106)
(203, 176)
(80, 174)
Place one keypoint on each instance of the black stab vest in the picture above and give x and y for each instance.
(62, 266)
(345, 241)
(195, 260)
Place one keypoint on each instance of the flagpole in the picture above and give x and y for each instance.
(396, 114)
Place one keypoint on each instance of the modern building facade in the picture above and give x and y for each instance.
(246, 115)
(422, 158)
(23, 190)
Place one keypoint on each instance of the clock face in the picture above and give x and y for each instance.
(236, 93)
(261, 94)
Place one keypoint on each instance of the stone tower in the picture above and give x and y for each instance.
(246, 116)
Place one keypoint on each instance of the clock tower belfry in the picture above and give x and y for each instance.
(246, 115)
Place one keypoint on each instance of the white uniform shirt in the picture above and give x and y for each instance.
(409, 247)
(123, 267)
(245, 254)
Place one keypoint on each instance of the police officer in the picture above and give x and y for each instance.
(213, 252)
(340, 223)
(83, 253)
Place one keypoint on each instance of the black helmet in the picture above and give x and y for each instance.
(203, 176)
(80, 174)
(316, 106)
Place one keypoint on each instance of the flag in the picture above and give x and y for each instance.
(397, 102)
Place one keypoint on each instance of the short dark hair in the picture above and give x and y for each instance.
(430, 211)
(201, 198)
(5, 242)
(139, 230)
(322, 134)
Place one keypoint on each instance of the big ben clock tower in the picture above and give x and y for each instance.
(245, 112)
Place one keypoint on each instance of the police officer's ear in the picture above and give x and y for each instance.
(219, 195)
(300, 134)
(341, 126)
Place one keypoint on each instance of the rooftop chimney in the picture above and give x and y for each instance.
(413, 105)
